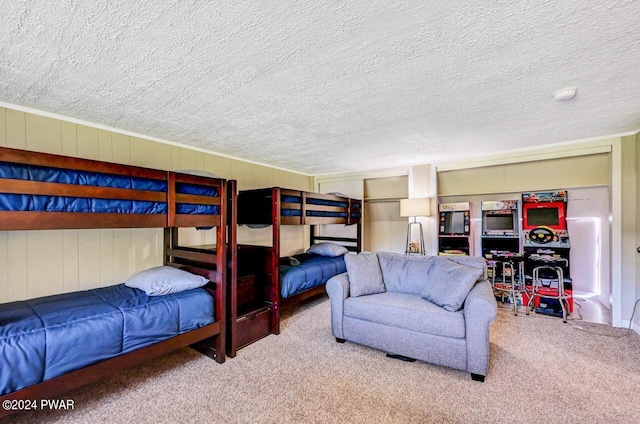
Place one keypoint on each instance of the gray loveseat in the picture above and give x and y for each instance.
(436, 309)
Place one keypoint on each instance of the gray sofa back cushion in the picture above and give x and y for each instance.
(404, 273)
(412, 274)
(364, 273)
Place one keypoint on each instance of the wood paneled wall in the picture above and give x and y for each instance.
(38, 263)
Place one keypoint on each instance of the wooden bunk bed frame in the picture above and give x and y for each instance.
(209, 339)
(258, 266)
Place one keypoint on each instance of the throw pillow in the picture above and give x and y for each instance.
(327, 249)
(365, 276)
(449, 283)
(165, 280)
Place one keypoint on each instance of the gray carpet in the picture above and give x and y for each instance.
(541, 371)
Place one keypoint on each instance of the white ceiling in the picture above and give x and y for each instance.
(323, 86)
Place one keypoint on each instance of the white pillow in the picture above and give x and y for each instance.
(163, 280)
(327, 249)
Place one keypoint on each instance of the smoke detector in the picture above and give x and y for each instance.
(565, 94)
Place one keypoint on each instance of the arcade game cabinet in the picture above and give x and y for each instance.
(546, 243)
(500, 239)
(500, 227)
(454, 235)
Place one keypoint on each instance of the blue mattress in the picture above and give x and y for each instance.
(314, 201)
(313, 271)
(186, 208)
(46, 337)
(39, 203)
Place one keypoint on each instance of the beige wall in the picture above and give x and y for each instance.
(548, 174)
(38, 263)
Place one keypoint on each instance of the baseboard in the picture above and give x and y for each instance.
(634, 326)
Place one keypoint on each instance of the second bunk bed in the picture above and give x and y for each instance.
(264, 280)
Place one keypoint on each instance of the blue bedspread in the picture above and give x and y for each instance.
(313, 271)
(50, 336)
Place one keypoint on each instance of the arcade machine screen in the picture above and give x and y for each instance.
(543, 216)
(503, 222)
(454, 223)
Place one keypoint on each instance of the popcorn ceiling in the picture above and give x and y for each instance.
(330, 86)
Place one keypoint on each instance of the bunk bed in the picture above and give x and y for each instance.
(58, 343)
(257, 289)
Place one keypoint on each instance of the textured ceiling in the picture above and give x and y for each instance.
(322, 86)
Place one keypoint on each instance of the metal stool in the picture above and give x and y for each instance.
(539, 290)
(509, 285)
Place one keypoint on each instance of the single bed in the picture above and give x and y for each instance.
(61, 342)
(264, 280)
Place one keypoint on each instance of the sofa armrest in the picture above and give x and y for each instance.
(338, 290)
(480, 309)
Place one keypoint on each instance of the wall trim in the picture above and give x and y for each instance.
(616, 233)
(634, 327)
(138, 135)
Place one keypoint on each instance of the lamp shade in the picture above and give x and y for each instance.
(415, 207)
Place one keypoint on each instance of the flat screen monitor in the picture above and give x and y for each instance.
(454, 223)
(543, 216)
(503, 222)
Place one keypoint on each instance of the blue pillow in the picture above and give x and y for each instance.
(327, 249)
(163, 280)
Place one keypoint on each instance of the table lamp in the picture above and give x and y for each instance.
(414, 208)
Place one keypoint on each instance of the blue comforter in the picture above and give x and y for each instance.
(50, 336)
(313, 271)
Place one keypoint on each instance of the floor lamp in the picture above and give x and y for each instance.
(414, 208)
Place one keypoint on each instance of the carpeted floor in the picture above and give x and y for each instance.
(541, 371)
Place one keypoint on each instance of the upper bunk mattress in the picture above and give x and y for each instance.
(313, 271)
(319, 202)
(46, 337)
(46, 203)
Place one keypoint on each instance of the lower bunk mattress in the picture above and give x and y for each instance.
(312, 271)
(46, 337)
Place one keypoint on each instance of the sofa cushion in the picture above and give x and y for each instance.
(472, 261)
(404, 273)
(406, 311)
(364, 273)
(449, 283)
